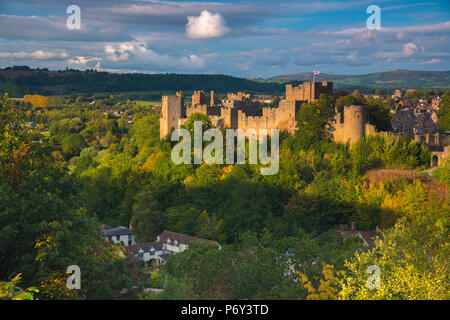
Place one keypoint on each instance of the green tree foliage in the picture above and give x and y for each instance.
(10, 290)
(148, 220)
(43, 230)
(73, 144)
(444, 112)
(314, 122)
(413, 256)
(389, 151)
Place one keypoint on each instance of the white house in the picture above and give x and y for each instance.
(177, 242)
(166, 244)
(149, 253)
(119, 234)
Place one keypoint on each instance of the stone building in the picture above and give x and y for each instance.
(239, 110)
(352, 124)
(415, 121)
(308, 91)
(172, 110)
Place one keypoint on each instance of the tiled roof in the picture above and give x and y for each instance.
(145, 247)
(369, 236)
(179, 237)
(165, 256)
(118, 231)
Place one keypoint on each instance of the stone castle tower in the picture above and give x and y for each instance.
(172, 110)
(308, 91)
(352, 124)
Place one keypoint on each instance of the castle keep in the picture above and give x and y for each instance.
(308, 91)
(239, 111)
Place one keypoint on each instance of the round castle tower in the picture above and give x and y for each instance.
(355, 119)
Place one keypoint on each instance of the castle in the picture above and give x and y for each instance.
(239, 111)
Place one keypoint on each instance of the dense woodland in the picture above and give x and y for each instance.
(90, 81)
(56, 190)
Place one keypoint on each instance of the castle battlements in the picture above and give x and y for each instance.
(238, 111)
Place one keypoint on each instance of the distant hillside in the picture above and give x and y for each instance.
(387, 80)
(19, 82)
(308, 76)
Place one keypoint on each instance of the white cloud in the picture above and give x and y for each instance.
(207, 25)
(82, 60)
(409, 49)
(124, 51)
(195, 62)
(432, 61)
(35, 55)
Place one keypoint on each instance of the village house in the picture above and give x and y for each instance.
(415, 121)
(167, 243)
(435, 102)
(119, 234)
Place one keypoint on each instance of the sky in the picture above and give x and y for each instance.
(249, 38)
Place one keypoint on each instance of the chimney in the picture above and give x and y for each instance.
(103, 227)
(131, 226)
(353, 227)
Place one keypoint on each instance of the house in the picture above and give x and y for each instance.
(435, 102)
(166, 244)
(149, 253)
(176, 242)
(118, 234)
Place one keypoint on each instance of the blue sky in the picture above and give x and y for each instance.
(241, 38)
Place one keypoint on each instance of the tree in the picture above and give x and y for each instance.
(147, 219)
(43, 228)
(73, 144)
(10, 291)
(328, 288)
(444, 112)
(314, 122)
(413, 255)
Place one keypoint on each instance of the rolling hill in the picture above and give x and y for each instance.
(18, 81)
(390, 80)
